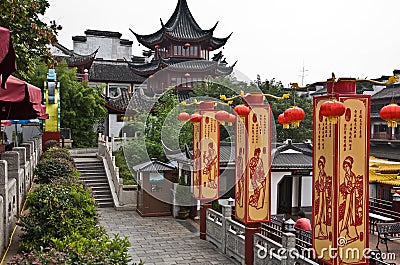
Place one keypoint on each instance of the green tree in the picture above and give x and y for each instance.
(81, 106)
(29, 34)
(299, 134)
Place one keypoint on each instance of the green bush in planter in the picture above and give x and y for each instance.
(52, 168)
(75, 249)
(57, 210)
(51, 143)
(55, 152)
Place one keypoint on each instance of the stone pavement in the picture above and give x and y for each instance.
(161, 240)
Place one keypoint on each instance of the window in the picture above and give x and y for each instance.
(113, 89)
(156, 177)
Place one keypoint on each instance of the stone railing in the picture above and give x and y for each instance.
(125, 196)
(271, 246)
(16, 176)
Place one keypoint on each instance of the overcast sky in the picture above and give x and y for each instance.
(273, 38)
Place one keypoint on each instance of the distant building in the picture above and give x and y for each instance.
(183, 49)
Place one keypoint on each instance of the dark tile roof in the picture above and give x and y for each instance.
(182, 27)
(385, 151)
(133, 102)
(388, 92)
(76, 60)
(289, 156)
(125, 42)
(103, 33)
(117, 72)
(286, 156)
(79, 38)
(182, 65)
(153, 166)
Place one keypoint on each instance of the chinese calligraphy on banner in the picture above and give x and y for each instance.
(253, 163)
(340, 186)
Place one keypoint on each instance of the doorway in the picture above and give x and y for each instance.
(285, 190)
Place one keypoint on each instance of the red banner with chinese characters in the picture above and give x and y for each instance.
(340, 182)
(206, 155)
(253, 164)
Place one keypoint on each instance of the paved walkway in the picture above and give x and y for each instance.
(162, 240)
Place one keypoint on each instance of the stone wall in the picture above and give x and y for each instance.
(125, 196)
(16, 175)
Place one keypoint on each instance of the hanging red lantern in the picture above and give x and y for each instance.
(242, 110)
(183, 116)
(157, 46)
(195, 118)
(222, 116)
(151, 76)
(398, 192)
(295, 115)
(284, 121)
(391, 114)
(332, 109)
(187, 75)
(231, 119)
(186, 45)
(210, 48)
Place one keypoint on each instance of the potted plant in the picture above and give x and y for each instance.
(183, 198)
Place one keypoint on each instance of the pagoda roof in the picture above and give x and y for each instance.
(182, 27)
(77, 60)
(130, 101)
(182, 65)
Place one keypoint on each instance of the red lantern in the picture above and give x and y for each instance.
(332, 109)
(157, 46)
(186, 45)
(183, 116)
(242, 110)
(195, 118)
(284, 121)
(398, 192)
(231, 119)
(210, 48)
(187, 75)
(222, 116)
(391, 114)
(151, 76)
(295, 115)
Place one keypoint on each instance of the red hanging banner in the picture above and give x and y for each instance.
(340, 184)
(253, 163)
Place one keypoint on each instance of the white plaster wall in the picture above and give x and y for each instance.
(306, 191)
(295, 191)
(275, 178)
(124, 51)
(114, 127)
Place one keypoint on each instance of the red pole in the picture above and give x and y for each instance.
(203, 218)
(250, 230)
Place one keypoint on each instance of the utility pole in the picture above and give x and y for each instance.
(303, 74)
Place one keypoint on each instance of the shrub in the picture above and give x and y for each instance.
(52, 168)
(75, 249)
(51, 143)
(55, 152)
(57, 210)
(124, 171)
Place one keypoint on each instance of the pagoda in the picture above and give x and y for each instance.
(183, 49)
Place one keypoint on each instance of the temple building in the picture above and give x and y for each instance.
(182, 48)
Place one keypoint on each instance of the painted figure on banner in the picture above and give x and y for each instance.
(197, 163)
(323, 214)
(351, 209)
(258, 180)
(210, 169)
(240, 171)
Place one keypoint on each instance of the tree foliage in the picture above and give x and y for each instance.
(81, 106)
(229, 87)
(30, 35)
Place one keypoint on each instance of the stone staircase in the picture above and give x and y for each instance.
(94, 176)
